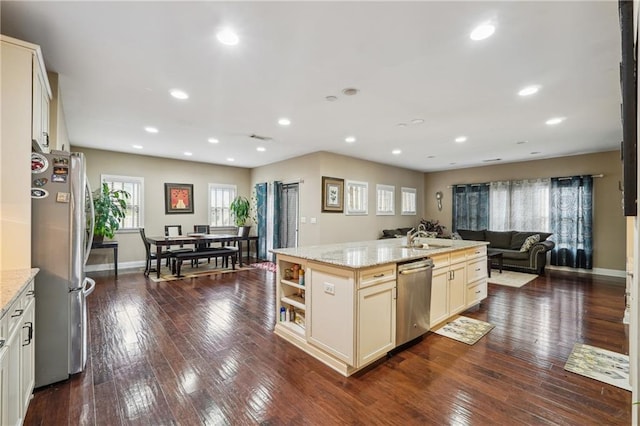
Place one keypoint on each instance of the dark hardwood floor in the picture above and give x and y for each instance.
(202, 351)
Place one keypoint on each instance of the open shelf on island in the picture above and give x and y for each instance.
(292, 284)
(294, 300)
(293, 327)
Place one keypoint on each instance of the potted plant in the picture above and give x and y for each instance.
(241, 209)
(110, 207)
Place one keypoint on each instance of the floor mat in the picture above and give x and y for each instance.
(465, 330)
(269, 266)
(599, 364)
(510, 278)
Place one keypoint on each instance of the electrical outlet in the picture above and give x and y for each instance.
(313, 220)
(303, 219)
(329, 288)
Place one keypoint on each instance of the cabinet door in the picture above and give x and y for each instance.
(439, 296)
(331, 311)
(14, 354)
(28, 365)
(376, 321)
(457, 288)
(40, 108)
(4, 384)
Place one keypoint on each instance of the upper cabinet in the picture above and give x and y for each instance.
(40, 105)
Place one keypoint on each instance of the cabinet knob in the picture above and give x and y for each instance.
(17, 313)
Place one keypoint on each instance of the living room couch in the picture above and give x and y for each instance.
(510, 243)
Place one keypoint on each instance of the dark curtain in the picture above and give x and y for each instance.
(470, 207)
(572, 221)
(261, 218)
(277, 213)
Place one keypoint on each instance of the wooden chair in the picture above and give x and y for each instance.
(151, 256)
(202, 229)
(174, 231)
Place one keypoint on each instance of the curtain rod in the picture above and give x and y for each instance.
(600, 175)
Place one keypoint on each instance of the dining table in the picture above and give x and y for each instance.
(193, 239)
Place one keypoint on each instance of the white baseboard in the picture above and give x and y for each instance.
(109, 266)
(594, 271)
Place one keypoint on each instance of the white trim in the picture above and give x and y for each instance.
(224, 186)
(134, 180)
(98, 267)
(595, 271)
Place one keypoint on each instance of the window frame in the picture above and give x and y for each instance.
(350, 209)
(390, 190)
(109, 178)
(404, 211)
(210, 207)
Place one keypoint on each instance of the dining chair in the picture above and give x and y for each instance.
(175, 231)
(151, 256)
(202, 229)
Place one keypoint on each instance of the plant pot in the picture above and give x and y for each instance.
(243, 231)
(98, 239)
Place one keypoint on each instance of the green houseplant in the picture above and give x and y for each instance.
(110, 208)
(241, 209)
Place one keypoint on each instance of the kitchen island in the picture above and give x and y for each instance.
(337, 302)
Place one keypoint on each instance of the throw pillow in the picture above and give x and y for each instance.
(529, 242)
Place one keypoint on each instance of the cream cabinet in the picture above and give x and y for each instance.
(17, 358)
(40, 106)
(459, 282)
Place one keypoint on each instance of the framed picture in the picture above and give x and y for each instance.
(178, 198)
(332, 195)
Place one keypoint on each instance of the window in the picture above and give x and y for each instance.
(220, 198)
(357, 198)
(134, 215)
(386, 200)
(522, 205)
(408, 205)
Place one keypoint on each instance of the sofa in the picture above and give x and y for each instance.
(395, 233)
(516, 255)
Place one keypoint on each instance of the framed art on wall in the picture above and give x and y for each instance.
(178, 198)
(332, 195)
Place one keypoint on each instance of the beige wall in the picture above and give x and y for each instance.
(338, 227)
(157, 171)
(609, 222)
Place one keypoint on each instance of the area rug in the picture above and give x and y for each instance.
(188, 272)
(510, 278)
(599, 364)
(466, 330)
(269, 266)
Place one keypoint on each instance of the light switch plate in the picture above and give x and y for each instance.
(329, 288)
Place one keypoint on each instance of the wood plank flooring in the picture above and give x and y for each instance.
(202, 351)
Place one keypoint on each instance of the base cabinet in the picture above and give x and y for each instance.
(448, 288)
(17, 371)
(376, 321)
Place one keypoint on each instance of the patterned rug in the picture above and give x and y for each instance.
(510, 278)
(465, 330)
(599, 364)
(189, 272)
(269, 266)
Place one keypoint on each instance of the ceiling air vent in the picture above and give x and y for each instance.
(262, 138)
(491, 160)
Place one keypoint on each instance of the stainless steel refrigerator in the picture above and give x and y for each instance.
(62, 231)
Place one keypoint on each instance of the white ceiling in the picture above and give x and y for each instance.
(410, 60)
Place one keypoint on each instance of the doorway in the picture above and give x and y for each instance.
(289, 215)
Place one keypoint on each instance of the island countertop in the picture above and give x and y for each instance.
(12, 283)
(363, 254)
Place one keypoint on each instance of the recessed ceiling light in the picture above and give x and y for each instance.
(350, 91)
(231, 159)
(179, 94)
(284, 122)
(482, 31)
(188, 154)
(151, 129)
(555, 120)
(521, 142)
(261, 149)
(227, 37)
(350, 139)
(529, 90)
(137, 146)
(461, 139)
(213, 140)
(396, 152)
(331, 98)
(417, 121)
(401, 124)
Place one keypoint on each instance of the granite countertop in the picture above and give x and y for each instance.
(363, 254)
(12, 282)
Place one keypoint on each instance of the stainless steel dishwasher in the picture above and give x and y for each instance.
(413, 304)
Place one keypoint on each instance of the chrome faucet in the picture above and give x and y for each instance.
(411, 236)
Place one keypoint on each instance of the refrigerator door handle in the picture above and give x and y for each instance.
(92, 220)
(87, 290)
